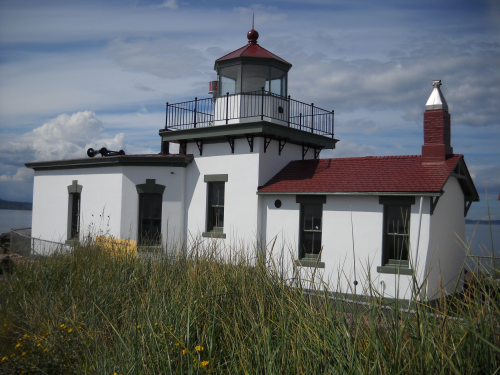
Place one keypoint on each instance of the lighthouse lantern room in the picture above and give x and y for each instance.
(251, 91)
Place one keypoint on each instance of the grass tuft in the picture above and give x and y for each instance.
(92, 312)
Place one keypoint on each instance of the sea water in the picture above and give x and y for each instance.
(14, 219)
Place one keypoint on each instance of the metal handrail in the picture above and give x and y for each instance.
(199, 113)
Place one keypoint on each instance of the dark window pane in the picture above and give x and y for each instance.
(75, 214)
(312, 217)
(398, 219)
(397, 232)
(308, 242)
(150, 208)
(311, 235)
(317, 243)
(215, 214)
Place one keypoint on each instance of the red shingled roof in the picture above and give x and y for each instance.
(365, 174)
(253, 50)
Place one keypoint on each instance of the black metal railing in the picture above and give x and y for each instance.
(261, 105)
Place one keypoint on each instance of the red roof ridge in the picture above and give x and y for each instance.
(242, 51)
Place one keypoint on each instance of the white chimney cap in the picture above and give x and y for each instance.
(436, 100)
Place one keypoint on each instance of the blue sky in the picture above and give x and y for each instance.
(77, 74)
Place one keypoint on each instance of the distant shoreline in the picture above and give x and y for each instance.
(482, 222)
(20, 206)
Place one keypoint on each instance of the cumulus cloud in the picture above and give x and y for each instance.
(63, 137)
(23, 174)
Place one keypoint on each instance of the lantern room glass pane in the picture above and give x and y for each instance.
(254, 77)
(277, 81)
(230, 79)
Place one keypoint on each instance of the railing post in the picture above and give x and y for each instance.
(300, 121)
(312, 117)
(262, 105)
(227, 106)
(166, 116)
(195, 105)
(289, 104)
(333, 119)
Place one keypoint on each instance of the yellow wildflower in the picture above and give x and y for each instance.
(26, 335)
(204, 363)
(70, 330)
(4, 359)
(184, 351)
(68, 339)
(13, 354)
(23, 353)
(38, 345)
(177, 344)
(138, 327)
(17, 346)
(79, 327)
(62, 326)
(199, 348)
(20, 339)
(44, 350)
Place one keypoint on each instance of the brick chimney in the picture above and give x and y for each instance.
(437, 131)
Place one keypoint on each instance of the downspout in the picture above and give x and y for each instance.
(416, 251)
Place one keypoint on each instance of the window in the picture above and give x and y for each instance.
(216, 184)
(74, 211)
(311, 218)
(311, 226)
(150, 212)
(215, 216)
(75, 215)
(230, 80)
(150, 219)
(396, 235)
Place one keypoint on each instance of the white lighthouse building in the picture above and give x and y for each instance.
(249, 172)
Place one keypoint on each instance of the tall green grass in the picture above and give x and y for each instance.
(93, 313)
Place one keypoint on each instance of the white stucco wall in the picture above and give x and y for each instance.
(246, 171)
(100, 202)
(344, 218)
(109, 202)
(446, 254)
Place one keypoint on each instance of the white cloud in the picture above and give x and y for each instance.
(63, 137)
(169, 4)
(23, 174)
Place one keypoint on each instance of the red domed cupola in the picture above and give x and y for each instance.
(250, 68)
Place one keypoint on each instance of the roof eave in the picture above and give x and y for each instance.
(374, 193)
